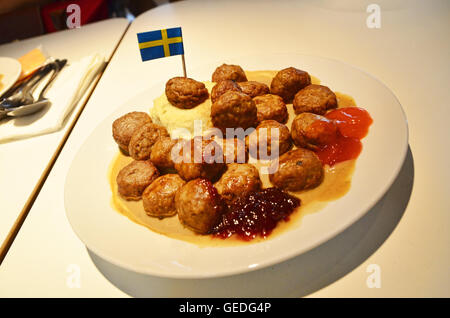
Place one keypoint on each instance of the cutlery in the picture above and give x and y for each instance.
(24, 95)
(34, 106)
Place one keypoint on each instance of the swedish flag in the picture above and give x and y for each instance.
(160, 43)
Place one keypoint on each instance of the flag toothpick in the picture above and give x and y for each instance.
(161, 43)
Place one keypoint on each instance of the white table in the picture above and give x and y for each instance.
(23, 162)
(404, 235)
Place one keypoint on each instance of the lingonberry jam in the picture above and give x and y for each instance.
(256, 214)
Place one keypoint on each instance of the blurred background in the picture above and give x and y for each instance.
(21, 19)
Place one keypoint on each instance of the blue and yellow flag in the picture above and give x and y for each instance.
(160, 43)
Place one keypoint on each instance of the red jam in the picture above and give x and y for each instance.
(353, 124)
(256, 214)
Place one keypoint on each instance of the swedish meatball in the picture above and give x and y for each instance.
(314, 99)
(199, 158)
(124, 127)
(298, 169)
(223, 86)
(229, 72)
(269, 138)
(233, 110)
(253, 89)
(238, 181)
(288, 82)
(272, 107)
(143, 139)
(185, 93)
(234, 150)
(134, 178)
(199, 205)
(312, 131)
(159, 197)
(161, 152)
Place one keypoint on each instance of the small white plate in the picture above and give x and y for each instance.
(10, 69)
(118, 240)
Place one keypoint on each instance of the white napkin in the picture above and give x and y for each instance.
(65, 92)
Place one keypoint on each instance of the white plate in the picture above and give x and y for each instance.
(10, 69)
(122, 242)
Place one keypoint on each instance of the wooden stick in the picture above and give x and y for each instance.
(184, 65)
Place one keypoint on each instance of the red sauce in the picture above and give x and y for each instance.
(256, 214)
(353, 124)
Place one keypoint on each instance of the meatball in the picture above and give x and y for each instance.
(262, 144)
(233, 110)
(234, 150)
(159, 197)
(312, 131)
(298, 169)
(238, 181)
(161, 154)
(124, 127)
(143, 139)
(222, 87)
(288, 82)
(272, 107)
(185, 93)
(199, 205)
(134, 178)
(253, 89)
(199, 158)
(229, 72)
(314, 99)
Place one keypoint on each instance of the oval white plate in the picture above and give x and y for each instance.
(122, 242)
(10, 69)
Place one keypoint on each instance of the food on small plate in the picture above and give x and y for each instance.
(125, 126)
(199, 158)
(239, 180)
(298, 169)
(234, 110)
(315, 99)
(159, 197)
(199, 205)
(161, 152)
(143, 139)
(313, 131)
(288, 82)
(269, 136)
(223, 86)
(271, 107)
(134, 178)
(229, 72)
(253, 88)
(185, 93)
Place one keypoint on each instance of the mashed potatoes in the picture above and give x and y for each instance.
(180, 123)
